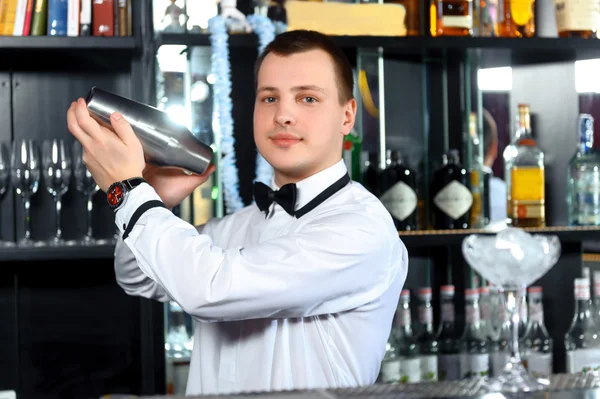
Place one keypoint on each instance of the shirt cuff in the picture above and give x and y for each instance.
(136, 197)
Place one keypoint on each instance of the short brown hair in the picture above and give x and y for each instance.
(300, 41)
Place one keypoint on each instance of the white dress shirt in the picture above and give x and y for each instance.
(278, 302)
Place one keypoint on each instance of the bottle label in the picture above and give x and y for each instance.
(497, 362)
(447, 312)
(527, 192)
(536, 312)
(474, 365)
(521, 11)
(404, 319)
(400, 200)
(410, 370)
(425, 314)
(429, 368)
(472, 314)
(539, 364)
(454, 199)
(485, 309)
(448, 367)
(457, 21)
(587, 198)
(390, 371)
(577, 15)
(583, 361)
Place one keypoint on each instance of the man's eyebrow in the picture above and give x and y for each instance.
(295, 88)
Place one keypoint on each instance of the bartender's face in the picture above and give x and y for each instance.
(299, 122)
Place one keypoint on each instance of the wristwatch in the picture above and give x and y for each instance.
(116, 193)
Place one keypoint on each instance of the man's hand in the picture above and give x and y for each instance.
(172, 184)
(108, 156)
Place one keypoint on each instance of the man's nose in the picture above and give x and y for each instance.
(284, 116)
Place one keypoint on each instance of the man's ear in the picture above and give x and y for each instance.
(349, 116)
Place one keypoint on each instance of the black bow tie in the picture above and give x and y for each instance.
(285, 196)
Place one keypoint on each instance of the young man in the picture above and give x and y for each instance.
(285, 294)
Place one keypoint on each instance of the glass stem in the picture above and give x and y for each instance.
(58, 206)
(27, 216)
(90, 207)
(512, 305)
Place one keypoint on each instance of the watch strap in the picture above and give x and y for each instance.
(139, 212)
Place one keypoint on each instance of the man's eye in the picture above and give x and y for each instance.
(269, 99)
(310, 99)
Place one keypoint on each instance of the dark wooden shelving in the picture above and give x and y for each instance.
(25, 43)
(440, 238)
(493, 51)
(49, 253)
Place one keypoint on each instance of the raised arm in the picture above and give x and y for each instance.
(335, 263)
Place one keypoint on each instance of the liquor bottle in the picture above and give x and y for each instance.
(485, 307)
(583, 178)
(473, 345)
(581, 340)
(499, 347)
(371, 172)
(451, 17)
(516, 18)
(577, 18)
(524, 166)
(450, 194)
(408, 349)
(448, 358)
(476, 172)
(398, 187)
(352, 154)
(428, 344)
(390, 366)
(412, 20)
(523, 314)
(537, 343)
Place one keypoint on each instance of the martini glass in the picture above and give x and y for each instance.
(512, 259)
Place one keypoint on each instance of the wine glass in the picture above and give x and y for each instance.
(4, 182)
(56, 163)
(87, 186)
(25, 178)
(512, 259)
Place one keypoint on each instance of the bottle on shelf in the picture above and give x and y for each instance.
(581, 340)
(515, 18)
(499, 345)
(448, 358)
(537, 343)
(476, 172)
(408, 349)
(577, 18)
(398, 185)
(352, 155)
(523, 313)
(451, 17)
(524, 175)
(371, 172)
(583, 178)
(390, 365)
(450, 194)
(428, 344)
(412, 20)
(473, 345)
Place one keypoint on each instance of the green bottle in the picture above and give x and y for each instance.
(352, 155)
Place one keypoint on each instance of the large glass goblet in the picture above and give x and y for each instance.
(512, 259)
(25, 178)
(56, 163)
(87, 186)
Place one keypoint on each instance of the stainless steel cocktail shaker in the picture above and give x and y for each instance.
(165, 142)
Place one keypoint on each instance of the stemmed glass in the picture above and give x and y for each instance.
(25, 178)
(4, 182)
(512, 259)
(56, 162)
(87, 186)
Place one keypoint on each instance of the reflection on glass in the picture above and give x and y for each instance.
(86, 185)
(4, 182)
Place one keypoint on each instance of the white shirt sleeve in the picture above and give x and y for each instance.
(335, 263)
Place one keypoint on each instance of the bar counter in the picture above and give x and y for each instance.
(562, 386)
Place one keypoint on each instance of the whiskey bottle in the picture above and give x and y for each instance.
(412, 20)
(524, 175)
(451, 195)
(398, 187)
(577, 18)
(451, 17)
(516, 18)
(583, 178)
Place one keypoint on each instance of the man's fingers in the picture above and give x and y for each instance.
(123, 128)
(74, 127)
(86, 122)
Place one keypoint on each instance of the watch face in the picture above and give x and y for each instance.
(115, 194)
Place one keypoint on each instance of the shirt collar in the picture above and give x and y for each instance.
(313, 185)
